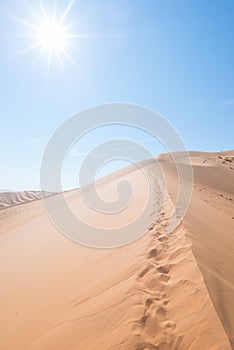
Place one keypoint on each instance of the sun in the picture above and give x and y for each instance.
(51, 33)
(52, 36)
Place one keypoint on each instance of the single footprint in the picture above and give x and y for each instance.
(143, 320)
(152, 253)
(148, 302)
(164, 278)
(156, 234)
(178, 342)
(144, 271)
(158, 299)
(146, 346)
(164, 269)
(170, 324)
(163, 239)
(158, 295)
(161, 313)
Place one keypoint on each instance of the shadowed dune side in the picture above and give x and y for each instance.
(148, 295)
(210, 225)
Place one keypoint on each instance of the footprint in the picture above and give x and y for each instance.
(158, 299)
(152, 253)
(144, 271)
(161, 313)
(165, 269)
(165, 278)
(156, 234)
(178, 342)
(143, 320)
(158, 295)
(148, 302)
(146, 346)
(163, 239)
(170, 324)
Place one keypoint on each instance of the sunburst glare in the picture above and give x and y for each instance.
(50, 34)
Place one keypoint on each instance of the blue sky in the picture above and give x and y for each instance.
(173, 56)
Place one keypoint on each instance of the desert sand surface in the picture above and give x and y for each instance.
(164, 291)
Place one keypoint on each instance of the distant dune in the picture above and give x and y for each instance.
(10, 198)
(163, 292)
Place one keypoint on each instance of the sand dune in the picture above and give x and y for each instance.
(10, 198)
(162, 292)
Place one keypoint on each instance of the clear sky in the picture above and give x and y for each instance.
(173, 56)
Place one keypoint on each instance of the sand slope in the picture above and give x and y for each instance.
(161, 292)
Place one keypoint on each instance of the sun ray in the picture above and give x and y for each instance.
(67, 10)
(55, 10)
(79, 36)
(71, 24)
(73, 63)
(69, 58)
(29, 48)
(43, 11)
(16, 19)
(88, 36)
(35, 15)
(20, 35)
(47, 70)
(60, 61)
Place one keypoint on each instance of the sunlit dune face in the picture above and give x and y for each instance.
(51, 37)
